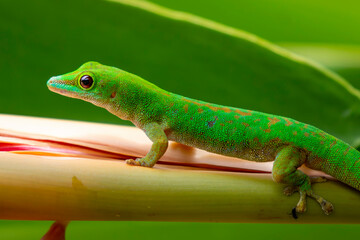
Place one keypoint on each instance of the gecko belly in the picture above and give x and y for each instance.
(248, 149)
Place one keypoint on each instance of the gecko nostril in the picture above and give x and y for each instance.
(50, 81)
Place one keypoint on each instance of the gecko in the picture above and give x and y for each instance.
(228, 131)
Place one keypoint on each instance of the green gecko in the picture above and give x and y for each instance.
(229, 131)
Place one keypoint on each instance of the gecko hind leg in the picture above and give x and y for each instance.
(285, 171)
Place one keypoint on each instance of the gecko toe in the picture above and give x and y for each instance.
(327, 207)
(289, 190)
(132, 162)
(301, 205)
(318, 179)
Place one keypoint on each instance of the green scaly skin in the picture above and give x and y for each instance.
(229, 131)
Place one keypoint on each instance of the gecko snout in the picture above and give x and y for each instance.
(56, 84)
(51, 83)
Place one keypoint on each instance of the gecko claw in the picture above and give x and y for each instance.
(294, 214)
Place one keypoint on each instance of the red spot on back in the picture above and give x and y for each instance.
(186, 108)
(191, 101)
(288, 122)
(242, 113)
(226, 109)
(272, 121)
(245, 124)
(322, 134)
(215, 108)
(333, 143)
(212, 107)
(357, 162)
(346, 151)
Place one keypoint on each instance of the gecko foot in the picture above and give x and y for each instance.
(132, 162)
(326, 206)
(138, 162)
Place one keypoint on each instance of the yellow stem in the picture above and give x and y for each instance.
(53, 188)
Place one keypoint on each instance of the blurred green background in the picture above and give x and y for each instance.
(42, 38)
(321, 29)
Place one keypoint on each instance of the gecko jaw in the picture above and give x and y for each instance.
(60, 86)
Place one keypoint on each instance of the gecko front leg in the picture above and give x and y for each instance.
(285, 171)
(160, 143)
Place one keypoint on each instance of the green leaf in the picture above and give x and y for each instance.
(179, 52)
(343, 59)
(328, 21)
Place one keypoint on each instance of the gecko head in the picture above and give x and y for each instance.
(92, 82)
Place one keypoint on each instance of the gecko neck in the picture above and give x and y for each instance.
(139, 102)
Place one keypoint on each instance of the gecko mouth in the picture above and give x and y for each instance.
(55, 85)
(62, 87)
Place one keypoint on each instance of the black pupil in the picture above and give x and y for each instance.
(86, 81)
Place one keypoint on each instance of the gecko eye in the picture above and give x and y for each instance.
(86, 81)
